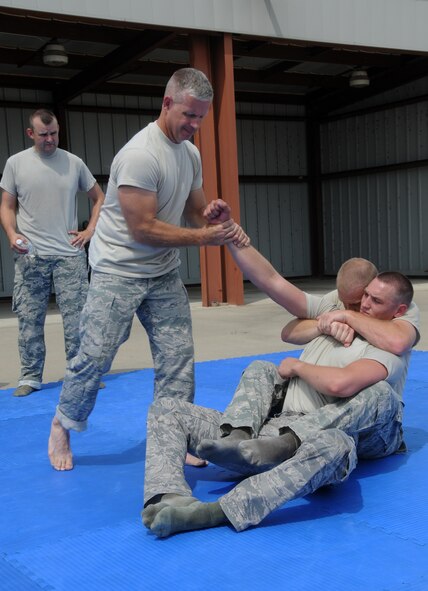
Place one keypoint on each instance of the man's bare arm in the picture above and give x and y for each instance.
(396, 336)
(8, 220)
(260, 272)
(140, 208)
(335, 381)
(82, 237)
(300, 331)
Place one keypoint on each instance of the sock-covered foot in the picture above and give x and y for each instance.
(171, 519)
(167, 500)
(225, 452)
(268, 452)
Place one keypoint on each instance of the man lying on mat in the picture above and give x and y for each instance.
(340, 403)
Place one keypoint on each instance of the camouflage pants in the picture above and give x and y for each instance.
(162, 306)
(174, 426)
(34, 277)
(367, 424)
(373, 417)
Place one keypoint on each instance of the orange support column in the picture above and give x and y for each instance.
(210, 256)
(227, 153)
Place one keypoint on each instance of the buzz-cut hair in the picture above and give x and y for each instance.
(189, 81)
(402, 285)
(46, 117)
(354, 273)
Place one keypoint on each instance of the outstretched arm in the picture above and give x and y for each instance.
(335, 381)
(260, 272)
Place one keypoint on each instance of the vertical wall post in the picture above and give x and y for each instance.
(227, 152)
(210, 256)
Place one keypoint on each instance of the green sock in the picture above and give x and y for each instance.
(270, 451)
(172, 519)
(239, 433)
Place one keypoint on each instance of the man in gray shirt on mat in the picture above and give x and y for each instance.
(341, 403)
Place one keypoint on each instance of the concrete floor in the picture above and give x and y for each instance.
(219, 332)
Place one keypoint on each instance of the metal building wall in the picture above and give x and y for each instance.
(274, 208)
(13, 123)
(379, 214)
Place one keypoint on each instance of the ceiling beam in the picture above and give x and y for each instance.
(316, 54)
(281, 77)
(106, 68)
(385, 81)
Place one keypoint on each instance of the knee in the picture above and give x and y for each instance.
(384, 394)
(259, 367)
(165, 405)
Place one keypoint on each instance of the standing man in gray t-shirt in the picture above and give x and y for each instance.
(39, 215)
(155, 179)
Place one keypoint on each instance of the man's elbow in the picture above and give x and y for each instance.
(341, 388)
(400, 345)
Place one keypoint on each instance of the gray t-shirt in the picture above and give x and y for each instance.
(45, 188)
(152, 162)
(326, 351)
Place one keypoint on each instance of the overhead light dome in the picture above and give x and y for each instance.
(359, 79)
(54, 55)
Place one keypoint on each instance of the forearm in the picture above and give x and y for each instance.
(395, 336)
(327, 380)
(195, 218)
(162, 234)
(300, 332)
(331, 381)
(8, 221)
(97, 197)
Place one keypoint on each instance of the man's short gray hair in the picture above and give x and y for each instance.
(189, 81)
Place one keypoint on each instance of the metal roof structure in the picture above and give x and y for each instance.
(112, 57)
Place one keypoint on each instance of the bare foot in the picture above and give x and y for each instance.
(59, 450)
(196, 462)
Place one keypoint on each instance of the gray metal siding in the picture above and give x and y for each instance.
(276, 217)
(378, 215)
(381, 138)
(275, 214)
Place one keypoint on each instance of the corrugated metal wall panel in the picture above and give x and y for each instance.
(271, 147)
(97, 137)
(379, 217)
(276, 217)
(13, 123)
(276, 214)
(385, 137)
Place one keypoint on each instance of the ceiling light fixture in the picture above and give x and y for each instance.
(54, 55)
(359, 79)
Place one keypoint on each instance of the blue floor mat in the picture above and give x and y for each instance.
(81, 530)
